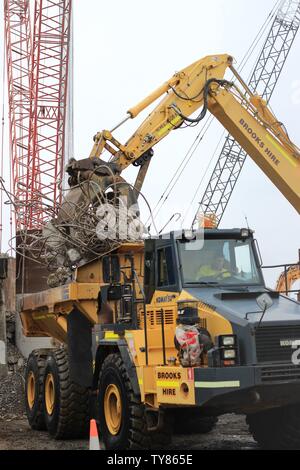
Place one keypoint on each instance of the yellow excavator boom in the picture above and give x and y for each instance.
(246, 116)
(184, 89)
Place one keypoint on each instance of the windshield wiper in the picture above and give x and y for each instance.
(209, 284)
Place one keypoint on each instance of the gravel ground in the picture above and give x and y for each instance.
(12, 397)
(12, 386)
(230, 434)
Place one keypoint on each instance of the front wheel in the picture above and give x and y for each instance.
(122, 418)
(276, 429)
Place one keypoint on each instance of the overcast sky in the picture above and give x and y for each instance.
(125, 49)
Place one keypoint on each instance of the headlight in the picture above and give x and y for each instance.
(229, 354)
(188, 235)
(245, 232)
(227, 341)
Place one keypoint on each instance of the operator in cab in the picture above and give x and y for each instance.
(217, 268)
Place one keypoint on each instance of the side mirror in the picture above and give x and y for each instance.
(264, 302)
(114, 293)
(111, 269)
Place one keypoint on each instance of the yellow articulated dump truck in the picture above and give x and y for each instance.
(165, 335)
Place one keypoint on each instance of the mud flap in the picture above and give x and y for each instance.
(80, 349)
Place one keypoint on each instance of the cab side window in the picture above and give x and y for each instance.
(165, 265)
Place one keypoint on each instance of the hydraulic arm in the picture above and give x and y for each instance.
(245, 115)
(97, 183)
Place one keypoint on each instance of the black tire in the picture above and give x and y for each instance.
(69, 417)
(188, 421)
(34, 380)
(133, 433)
(276, 429)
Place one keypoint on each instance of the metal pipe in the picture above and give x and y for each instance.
(295, 291)
(145, 316)
(121, 123)
(146, 333)
(281, 266)
(163, 337)
(286, 280)
(239, 78)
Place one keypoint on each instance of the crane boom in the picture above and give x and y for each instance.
(263, 80)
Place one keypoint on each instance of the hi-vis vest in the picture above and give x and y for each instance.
(208, 271)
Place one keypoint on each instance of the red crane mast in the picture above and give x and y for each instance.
(18, 59)
(37, 70)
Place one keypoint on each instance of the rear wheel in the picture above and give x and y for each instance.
(278, 428)
(189, 421)
(122, 418)
(34, 378)
(66, 404)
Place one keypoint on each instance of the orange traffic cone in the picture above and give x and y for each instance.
(94, 438)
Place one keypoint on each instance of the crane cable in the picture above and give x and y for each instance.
(242, 66)
(203, 178)
(180, 169)
(199, 138)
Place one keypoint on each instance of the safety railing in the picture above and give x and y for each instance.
(290, 273)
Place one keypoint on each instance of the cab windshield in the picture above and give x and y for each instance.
(219, 262)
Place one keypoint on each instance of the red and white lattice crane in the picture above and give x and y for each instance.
(37, 53)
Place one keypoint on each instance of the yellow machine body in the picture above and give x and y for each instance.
(45, 314)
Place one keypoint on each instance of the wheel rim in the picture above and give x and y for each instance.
(31, 389)
(49, 394)
(113, 409)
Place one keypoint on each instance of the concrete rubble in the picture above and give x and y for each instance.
(12, 381)
(12, 387)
